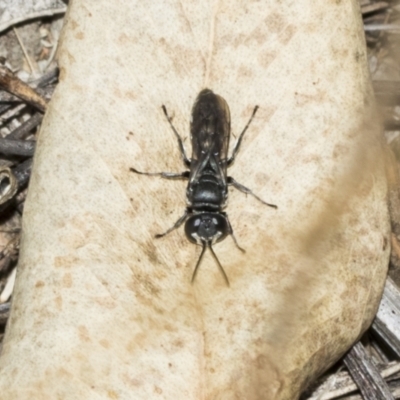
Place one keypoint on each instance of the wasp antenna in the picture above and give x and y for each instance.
(219, 264)
(198, 262)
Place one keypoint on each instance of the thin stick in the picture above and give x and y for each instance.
(28, 59)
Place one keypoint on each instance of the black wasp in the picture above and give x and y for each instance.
(207, 190)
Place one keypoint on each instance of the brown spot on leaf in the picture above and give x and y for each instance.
(70, 57)
(287, 34)
(130, 95)
(59, 302)
(112, 395)
(274, 22)
(73, 24)
(67, 280)
(244, 71)
(123, 38)
(65, 262)
(80, 35)
(266, 58)
(262, 361)
(158, 390)
(83, 333)
(104, 343)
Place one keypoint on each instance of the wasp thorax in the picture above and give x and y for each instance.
(206, 227)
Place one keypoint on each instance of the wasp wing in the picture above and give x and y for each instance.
(209, 132)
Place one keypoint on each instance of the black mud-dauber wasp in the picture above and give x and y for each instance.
(207, 191)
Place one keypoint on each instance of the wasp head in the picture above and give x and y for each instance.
(206, 227)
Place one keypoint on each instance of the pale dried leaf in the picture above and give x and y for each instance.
(111, 309)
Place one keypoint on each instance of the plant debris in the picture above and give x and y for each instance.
(28, 73)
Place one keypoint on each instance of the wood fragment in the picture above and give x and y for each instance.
(387, 322)
(12, 112)
(4, 312)
(23, 131)
(20, 89)
(6, 97)
(4, 108)
(393, 28)
(379, 353)
(8, 289)
(13, 147)
(387, 92)
(391, 125)
(366, 375)
(341, 383)
(22, 173)
(373, 7)
(5, 264)
(46, 79)
(8, 186)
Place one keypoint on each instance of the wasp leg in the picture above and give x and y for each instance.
(166, 175)
(232, 234)
(177, 224)
(236, 149)
(178, 136)
(246, 190)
